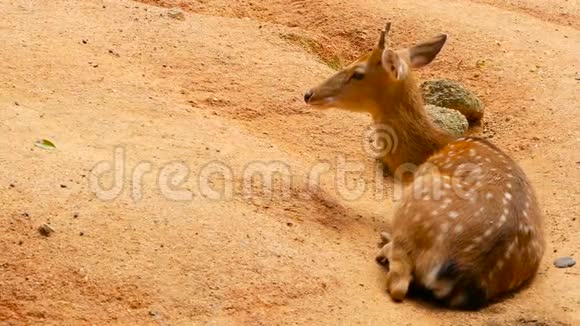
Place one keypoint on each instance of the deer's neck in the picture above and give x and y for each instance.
(417, 137)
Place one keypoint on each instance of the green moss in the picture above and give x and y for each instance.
(450, 120)
(452, 95)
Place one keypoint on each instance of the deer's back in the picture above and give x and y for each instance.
(471, 207)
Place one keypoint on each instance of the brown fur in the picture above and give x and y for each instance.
(468, 228)
(391, 98)
(417, 137)
(486, 221)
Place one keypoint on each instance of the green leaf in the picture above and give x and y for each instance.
(45, 144)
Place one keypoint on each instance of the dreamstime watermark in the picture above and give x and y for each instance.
(276, 180)
(381, 140)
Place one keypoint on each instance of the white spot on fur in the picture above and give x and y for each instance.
(445, 203)
(468, 248)
(507, 196)
(509, 185)
(477, 239)
(509, 250)
(441, 289)
(489, 195)
(453, 214)
(458, 228)
(487, 233)
(502, 220)
(431, 277)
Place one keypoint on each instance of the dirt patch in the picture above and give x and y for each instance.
(224, 86)
(314, 47)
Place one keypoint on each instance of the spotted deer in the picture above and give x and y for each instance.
(468, 227)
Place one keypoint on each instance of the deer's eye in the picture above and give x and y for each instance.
(358, 75)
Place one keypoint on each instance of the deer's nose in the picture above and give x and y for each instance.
(308, 95)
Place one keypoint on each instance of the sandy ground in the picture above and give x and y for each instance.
(223, 88)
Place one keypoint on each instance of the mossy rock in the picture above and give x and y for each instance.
(452, 95)
(450, 120)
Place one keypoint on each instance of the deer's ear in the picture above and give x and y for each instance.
(423, 53)
(394, 65)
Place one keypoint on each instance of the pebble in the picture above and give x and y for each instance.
(564, 262)
(449, 120)
(453, 95)
(115, 53)
(176, 13)
(45, 230)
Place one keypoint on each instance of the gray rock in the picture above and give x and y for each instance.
(450, 120)
(45, 230)
(452, 95)
(176, 13)
(564, 262)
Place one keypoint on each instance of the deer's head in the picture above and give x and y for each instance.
(376, 78)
